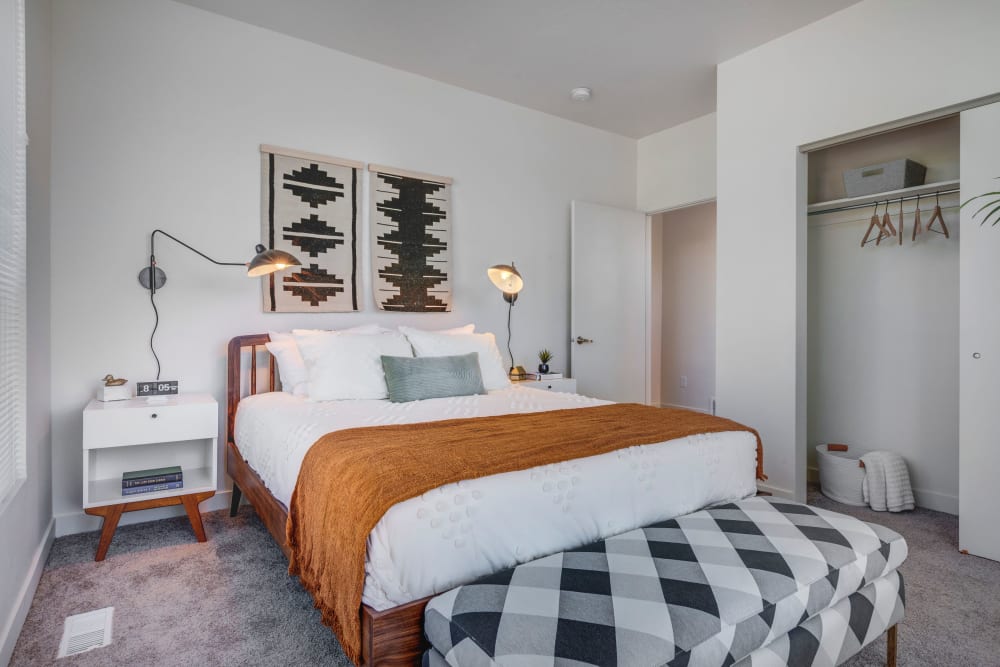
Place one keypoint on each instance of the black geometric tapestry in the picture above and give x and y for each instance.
(411, 229)
(309, 207)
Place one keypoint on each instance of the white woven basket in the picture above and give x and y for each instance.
(840, 476)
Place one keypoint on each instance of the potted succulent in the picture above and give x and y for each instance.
(993, 204)
(544, 356)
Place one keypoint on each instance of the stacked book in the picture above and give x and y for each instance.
(545, 376)
(148, 481)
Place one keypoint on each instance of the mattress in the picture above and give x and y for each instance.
(459, 532)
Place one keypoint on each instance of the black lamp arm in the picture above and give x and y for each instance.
(152, 253)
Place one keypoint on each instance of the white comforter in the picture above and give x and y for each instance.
(459, 532)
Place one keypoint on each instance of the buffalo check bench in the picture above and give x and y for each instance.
(756, 582)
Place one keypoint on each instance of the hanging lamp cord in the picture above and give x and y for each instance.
(510, 307)
(152, 283)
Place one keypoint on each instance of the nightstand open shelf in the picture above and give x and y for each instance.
(108, 491)
(141, 434)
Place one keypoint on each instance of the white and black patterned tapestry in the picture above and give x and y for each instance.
(309, 207)
(411, 232)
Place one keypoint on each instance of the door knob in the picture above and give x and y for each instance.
(580, 340)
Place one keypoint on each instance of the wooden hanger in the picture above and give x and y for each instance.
(916, 221)
(872, 224)
(887, 223)
(900, 221)
(937, 216)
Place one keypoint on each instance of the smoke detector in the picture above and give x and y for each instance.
(580, 94)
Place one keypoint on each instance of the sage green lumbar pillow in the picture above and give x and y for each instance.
(418, 378)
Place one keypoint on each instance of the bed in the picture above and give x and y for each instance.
(420, 546)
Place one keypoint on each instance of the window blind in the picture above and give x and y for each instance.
(13, 193)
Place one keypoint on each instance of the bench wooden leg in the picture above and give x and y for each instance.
(890, 647)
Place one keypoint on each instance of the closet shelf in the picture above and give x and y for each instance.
(857, 202)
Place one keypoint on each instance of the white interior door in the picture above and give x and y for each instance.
(609, 284)
(979, 340)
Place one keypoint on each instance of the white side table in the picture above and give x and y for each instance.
(141, 433)
(567, 385)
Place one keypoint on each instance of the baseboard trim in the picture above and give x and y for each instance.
(776, 490)
(12, 629)
(931, 500)
(684, 407)
(934, 500)
(72, 523)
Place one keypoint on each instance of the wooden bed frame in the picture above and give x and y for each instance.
(390, 638)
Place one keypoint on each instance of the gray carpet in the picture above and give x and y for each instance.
(230, 602)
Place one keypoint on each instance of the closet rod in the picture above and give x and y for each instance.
(891, 200)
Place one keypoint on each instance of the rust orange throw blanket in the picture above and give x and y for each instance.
(350, 478)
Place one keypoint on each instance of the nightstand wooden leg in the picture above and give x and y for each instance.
(111, 514)
(234, 507)
(194, 514)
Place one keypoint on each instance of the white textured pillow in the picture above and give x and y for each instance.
(291, 367)
(467, 329)
(349, 366)
(436, 344)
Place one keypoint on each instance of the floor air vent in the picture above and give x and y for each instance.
(83, 632)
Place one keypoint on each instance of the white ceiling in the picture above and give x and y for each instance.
(651, 63)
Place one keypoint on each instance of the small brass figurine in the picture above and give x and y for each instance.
(111, 381)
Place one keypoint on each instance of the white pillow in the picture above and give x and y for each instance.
(349, 366)
(291, 367)
(467, 329)
(360, 329)
(436, 344)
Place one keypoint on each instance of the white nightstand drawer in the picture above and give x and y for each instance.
(138, 422)
(567, 385)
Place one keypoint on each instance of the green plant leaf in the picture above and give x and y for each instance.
(972, 199)
(986, 206)
(995, 211)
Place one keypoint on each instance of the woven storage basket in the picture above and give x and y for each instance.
(840, 476)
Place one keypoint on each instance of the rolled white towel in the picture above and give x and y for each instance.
(887, 482)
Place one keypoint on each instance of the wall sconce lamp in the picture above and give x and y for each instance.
(508, 280)
(153, 277)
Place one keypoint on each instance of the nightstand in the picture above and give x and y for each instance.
(139, 434)
(567, 385)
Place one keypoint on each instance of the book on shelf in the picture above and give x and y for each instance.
(166, 475)
(152, 488)
(545, 376)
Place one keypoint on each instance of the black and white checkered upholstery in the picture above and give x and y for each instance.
(708, 588)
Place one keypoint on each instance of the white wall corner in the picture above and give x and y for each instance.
(676, 167)
(19, 610)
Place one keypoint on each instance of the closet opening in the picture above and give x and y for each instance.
(883, 313)
(683, 307)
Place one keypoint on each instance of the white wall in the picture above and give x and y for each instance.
(677, 166)
(158, 111)
(883, 342)
(688, 306)
(25, 523)
(815, 83)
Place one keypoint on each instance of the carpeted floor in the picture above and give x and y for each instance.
(230, 602)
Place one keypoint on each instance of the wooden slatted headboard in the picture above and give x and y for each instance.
(251, 345)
